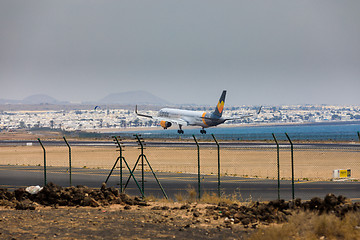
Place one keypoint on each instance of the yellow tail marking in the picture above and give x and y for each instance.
(220, 106)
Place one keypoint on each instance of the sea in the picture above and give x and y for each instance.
(327, 131)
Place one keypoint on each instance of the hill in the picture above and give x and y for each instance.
(33, 99)
(39, 99)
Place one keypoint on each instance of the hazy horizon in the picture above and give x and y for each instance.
(23, 101)
(262, 52)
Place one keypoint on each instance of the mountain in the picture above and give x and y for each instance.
(40, 98)
(33, 99)
(133, 97)
(125, 98)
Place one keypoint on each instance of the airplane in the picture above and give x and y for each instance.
(181, 117)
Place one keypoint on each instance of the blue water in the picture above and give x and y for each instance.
(318, 131)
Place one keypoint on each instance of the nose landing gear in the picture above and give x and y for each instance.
(203, 131)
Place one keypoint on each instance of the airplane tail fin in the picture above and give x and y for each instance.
(220, 106)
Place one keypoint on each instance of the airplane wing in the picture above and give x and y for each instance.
(178, 121)
(241, 117)
(245, 116)
(172, 120)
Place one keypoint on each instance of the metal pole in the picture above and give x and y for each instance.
(142, 162)
(69, 158)
(157, 180)
(112, 169)
(142, 168)
(142, 171)
(292, 166)
(132, 171)
(198, 153)
(121, 157)
(278, 163)
(218, 152)
(132, 175)
(44, 160)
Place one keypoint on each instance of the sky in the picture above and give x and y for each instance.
(185, 51)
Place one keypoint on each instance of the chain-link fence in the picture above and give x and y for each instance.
(254, 163)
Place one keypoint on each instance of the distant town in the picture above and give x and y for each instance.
(107, 117)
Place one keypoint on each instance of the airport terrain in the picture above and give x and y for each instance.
(185, 218)
(82, 213)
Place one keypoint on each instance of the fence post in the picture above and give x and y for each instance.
(121, 159)
(142, 161)
(292, 166)
(278, 163)
(148, 163)
(44, 160)
(69, 159)
(218, 151)
(198, 154)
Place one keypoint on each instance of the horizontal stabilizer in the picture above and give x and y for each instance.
(245, 116)
(141, 115)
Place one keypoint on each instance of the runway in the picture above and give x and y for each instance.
(244, 189)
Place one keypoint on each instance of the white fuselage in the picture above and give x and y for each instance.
(169, 116)
(193, 118)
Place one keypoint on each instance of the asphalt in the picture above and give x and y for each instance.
(176, 185)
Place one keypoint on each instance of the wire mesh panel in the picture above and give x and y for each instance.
(249, 162)
(173, 159)
(318, 164)
(245, 165)
(21, 155)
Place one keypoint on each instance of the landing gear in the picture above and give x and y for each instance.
(180, 131)
(203, 131)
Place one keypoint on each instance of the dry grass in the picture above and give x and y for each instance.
(307, 225)
(213, 198)
(191, 196)
(300, 226)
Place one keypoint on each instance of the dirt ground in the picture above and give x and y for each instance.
(47, 214)
(82, 213)
(115, 222)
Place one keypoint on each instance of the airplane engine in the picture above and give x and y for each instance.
(165, 124)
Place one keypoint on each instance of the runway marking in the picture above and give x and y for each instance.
(207, 180)
(243, 180)
(307, 182)
(180, 177)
